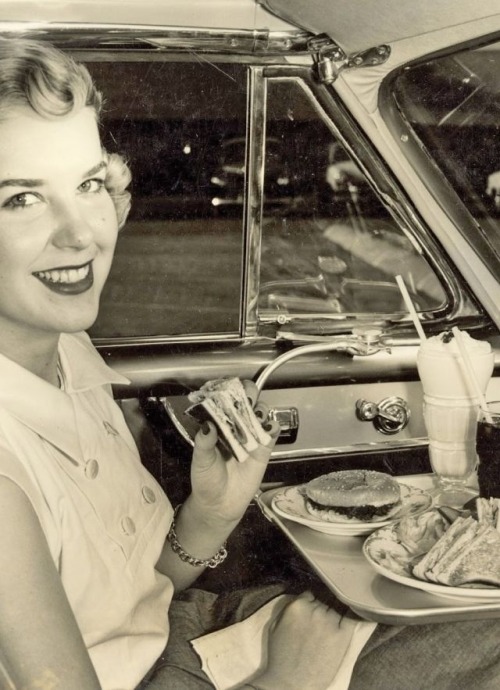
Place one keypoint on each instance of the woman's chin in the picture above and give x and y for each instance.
(78, 320)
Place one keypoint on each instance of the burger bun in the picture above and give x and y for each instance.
(347, 495)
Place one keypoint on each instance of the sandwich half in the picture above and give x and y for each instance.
(225, 403)
(468, 554)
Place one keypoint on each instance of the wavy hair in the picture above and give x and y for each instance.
(50, 82)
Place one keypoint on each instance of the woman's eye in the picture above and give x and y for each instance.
(21, 200)
(91, 186)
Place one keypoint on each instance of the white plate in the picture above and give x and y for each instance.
(386, 555)
(290, 504)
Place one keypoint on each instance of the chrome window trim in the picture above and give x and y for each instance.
(286, 456)
(81, 36)
(254, 199)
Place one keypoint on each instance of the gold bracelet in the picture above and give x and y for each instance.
(213, 562)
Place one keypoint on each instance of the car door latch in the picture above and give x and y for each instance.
(389, 416)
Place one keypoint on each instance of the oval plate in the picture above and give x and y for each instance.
(389, 558)
(290, 504)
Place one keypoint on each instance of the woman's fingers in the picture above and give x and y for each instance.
(261, 410)
(204, 452)
(251, 390)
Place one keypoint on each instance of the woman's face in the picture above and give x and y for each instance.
(58, 224)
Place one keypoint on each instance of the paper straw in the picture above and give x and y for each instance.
(470, 374)
(410, 307)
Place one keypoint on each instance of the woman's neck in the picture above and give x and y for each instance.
(36, 354)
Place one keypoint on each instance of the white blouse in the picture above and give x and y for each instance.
(104, 516)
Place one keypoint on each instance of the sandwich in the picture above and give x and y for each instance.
(468, 554)
(352, 495)
(488, 511)
(225, 402)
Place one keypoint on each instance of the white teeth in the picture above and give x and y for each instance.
(67, 275)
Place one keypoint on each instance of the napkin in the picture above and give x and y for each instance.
(235, 654)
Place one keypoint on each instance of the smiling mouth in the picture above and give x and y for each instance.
(67, 280)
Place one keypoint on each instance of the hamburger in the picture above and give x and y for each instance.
(352, 495)
(225, 402)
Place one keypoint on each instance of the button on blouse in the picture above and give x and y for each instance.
(91, 468)
(128, 525)
(148, 494)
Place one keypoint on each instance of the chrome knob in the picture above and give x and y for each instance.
(389, 416)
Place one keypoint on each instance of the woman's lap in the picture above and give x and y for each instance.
(447, 656)
(194, 613)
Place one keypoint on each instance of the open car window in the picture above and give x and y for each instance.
(329, 245)
(177, 268)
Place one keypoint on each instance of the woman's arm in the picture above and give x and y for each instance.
(221, 492)
(41, 645)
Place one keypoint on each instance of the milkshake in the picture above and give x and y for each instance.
(451, 407)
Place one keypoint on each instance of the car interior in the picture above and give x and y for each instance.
(328, 248)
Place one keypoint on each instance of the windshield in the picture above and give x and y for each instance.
(452, 105)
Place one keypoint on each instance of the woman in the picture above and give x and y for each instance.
(87, 572)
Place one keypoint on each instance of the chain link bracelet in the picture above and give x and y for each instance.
(213, 562)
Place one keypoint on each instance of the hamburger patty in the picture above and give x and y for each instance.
(366, 512)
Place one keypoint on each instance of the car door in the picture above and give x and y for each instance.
(264, 240)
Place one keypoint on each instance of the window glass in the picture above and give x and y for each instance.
(177, 269)
(453, 105)
(329, 246)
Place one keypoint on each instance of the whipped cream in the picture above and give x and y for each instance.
(445, 344)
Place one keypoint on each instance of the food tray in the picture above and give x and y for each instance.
(340, 563)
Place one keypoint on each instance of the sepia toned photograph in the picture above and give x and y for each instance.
(249, 345)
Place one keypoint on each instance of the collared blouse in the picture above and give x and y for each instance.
(104, 516)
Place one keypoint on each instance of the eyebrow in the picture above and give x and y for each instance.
(25, 182)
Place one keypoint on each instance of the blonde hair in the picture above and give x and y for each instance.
(50, 82)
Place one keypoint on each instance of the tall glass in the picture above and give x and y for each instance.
(451, 412)
(488, 450)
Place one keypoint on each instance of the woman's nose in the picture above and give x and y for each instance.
(72, 228)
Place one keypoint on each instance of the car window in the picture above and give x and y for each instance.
(329, 246)
(181, 125)
(452, 107)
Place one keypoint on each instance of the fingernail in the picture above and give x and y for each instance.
(267, 426)
(259, 414)
(205, 428)
(250, 400)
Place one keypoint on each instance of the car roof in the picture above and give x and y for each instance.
(416, 27)
(222, 14)
(357, 25)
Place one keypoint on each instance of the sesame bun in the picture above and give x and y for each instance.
(352, 494)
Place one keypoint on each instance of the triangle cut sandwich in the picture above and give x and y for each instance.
(225, 402)
(468, 554)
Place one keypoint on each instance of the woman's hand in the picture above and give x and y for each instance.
(221, 492)
(222, 489)
(306, 646)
